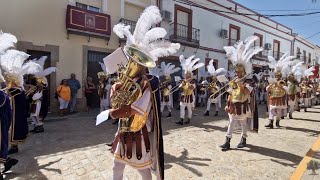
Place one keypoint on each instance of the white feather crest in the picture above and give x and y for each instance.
(13, 60)
(309, 71)
(168, 69)
(164, 51)
(155, 72)
(242, 52)
(7, 41)
(46, 72)
(150, 16)
(189, 64)
(153, 35)
(30, 68)
(122, 30)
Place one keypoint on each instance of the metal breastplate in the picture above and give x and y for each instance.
(292, 88)
(277, 91)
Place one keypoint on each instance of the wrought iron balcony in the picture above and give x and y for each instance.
(127, 22)
(184, 35)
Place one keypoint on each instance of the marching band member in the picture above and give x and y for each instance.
(6, 41)
(202, 92)
(104, 88)
(12, 62)
(292, 72)
(237, 106)
(306, 88)
(187, 87)
(276, 91)
(214, 87)
(165, 86)
(39, 105)
(138, 141)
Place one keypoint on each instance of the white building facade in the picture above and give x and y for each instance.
(204, 27)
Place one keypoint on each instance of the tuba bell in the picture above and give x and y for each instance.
(130, 90)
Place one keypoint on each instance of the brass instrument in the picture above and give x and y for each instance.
(31, 90)
(164, 87)
(232, 87)
(130, 91)
(276, 89)
(186, 91)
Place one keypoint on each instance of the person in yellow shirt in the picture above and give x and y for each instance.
(64, 96)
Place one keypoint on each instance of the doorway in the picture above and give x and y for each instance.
(93, 67)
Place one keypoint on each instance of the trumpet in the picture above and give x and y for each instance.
(233, 84)
(31, 90)
(176, 87)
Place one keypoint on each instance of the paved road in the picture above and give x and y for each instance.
(74, 148)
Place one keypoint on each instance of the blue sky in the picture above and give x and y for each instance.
(306, 26)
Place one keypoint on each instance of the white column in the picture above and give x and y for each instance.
(122, 9)
(104, 8)
(72, 2)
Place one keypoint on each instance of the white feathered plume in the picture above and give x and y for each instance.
(278, 65)
(212, 70)
(156, 72)
(43, 72)
(6, 41)
(190, 64)
(259, 76)
(150, 40)
(169, 69)
(242, 52)
(309, 72)
(12, 63)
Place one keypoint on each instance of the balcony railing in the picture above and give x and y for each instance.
(127, 22)
(185, 35)
(132, 24)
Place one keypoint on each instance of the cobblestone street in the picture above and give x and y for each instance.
(74, 148)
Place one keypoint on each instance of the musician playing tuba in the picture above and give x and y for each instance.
(165, 86)
(135, 97)
(277, 94)
(214, 87)
(306, 88)
(187, 86)
(238, 107)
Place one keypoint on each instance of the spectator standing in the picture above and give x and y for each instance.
(89, 92)
(64, 96)
(74, 85)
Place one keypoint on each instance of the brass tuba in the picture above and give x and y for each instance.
(130, 90)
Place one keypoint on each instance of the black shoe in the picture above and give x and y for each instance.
(305, 109)
(187, 122)
(180, 122)
(115, 122)
(270, 125)
(290, 116)
(169, 115)
(282, 117)
(226, 145)
(278, 124)
(259, 102)
(9, 163)
(206, 114)
(242, 143)
(39, 129)
(216, 114)
(13, 149)
(109, 144)
(34, 129)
